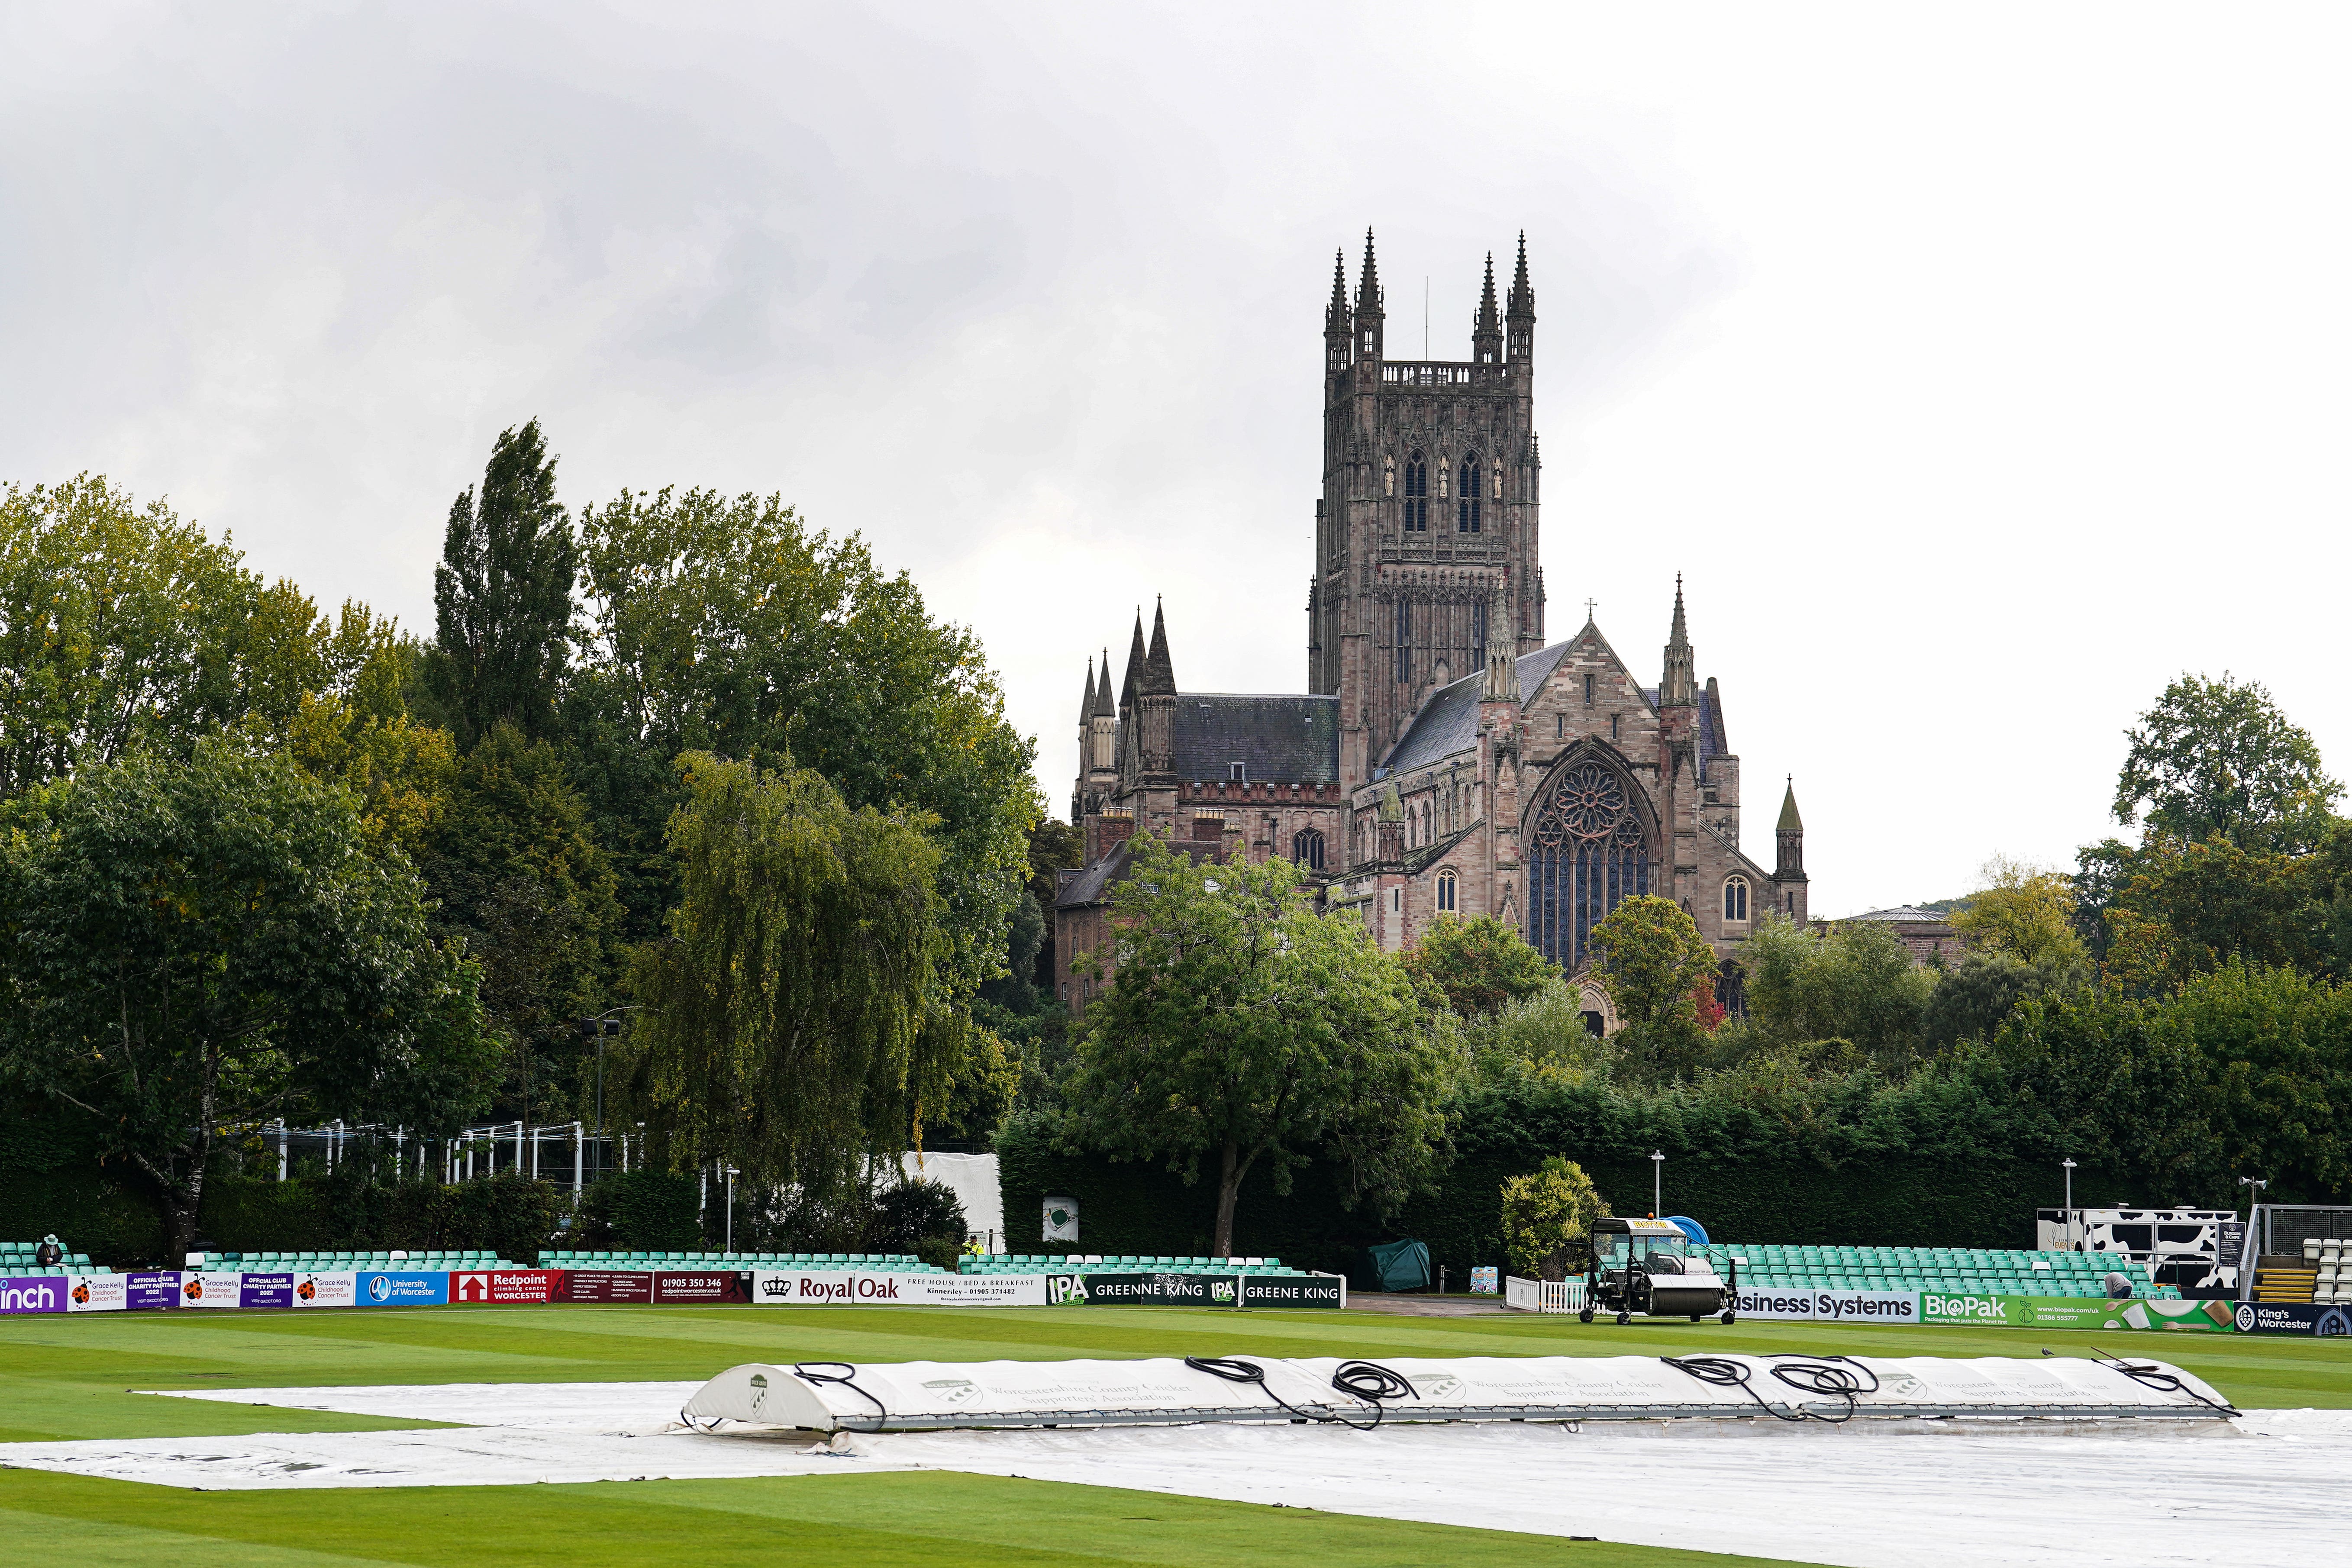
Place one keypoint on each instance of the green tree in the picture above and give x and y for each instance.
(198, 947)
(1972, 1001)
(2188, 909)
(2025, 911)
(1858, 983)
(2217, 758)
(520, 878)
(795, 1021)
(502, 595)
(1244, 1028)
(731, 626)
(1545, 1214)
(1544, 1034)
(1654, 964)
(120, 626)
(1480, 964)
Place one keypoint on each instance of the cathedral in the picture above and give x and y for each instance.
(1445, 760)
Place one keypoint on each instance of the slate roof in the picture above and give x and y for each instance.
(1450, 722)
(1281, 739)
(1093, 885)
(1905, 915)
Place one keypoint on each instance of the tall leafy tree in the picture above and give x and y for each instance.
(1655, 966)
(2217, 758)
(122, 625)
(728, 624)
(1245, 1029)
(2025, 911)
(793, 1021)
(2188, 909)
(1480, 964)
(519, 876)
(193, 948)
(502, 595)
(1857, 983)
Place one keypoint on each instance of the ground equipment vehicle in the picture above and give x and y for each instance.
(1647, 1266)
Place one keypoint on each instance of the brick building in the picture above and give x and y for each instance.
(1446, 758)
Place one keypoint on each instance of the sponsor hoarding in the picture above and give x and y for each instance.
(34, 1293)
(497, 1285)
(336, 1288)
(705, 1286)
(152, 1292)
(2075, 1312)
(1316, 1291)
(265, 1291)
(2288, 1318)
(847, 1287)
(98, 1293)
(1829, 1306)
(401, 1288)
(606, 1285)
(210, 1289)
(1143, 1289)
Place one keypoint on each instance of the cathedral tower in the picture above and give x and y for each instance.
(1427, 525)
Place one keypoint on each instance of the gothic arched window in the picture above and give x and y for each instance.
(1735, 898)
(1472, 493)
(1416, 494)
(1445, 892)
(1307, 848)
(1588, 854)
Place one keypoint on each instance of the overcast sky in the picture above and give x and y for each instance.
(1979, 374)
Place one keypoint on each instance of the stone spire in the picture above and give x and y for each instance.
(1791, 835)
(1372, 312)
(1335, 315)
(1790, 821)
(1486, 326)
(1680, 686)
(1086, 703)
(1135, 658)
(1502, 653)
(1521, 310)
(1159, 676)
(1104, 707)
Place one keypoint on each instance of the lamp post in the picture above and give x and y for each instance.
(1657, 1183)
(731, 1173)
(604, 1026)
(2254, 1207)
(2068, 1165)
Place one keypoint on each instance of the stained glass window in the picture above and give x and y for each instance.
(1472, 493)
(1416, 494)
(1307, 848)
(1588, 854)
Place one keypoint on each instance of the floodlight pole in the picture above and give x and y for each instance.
(1657, 1183)
(2068, 1165)
(731, 1173)
(2253, 1212)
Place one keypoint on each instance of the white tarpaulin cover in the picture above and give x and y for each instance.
(922, 1396)
(2276, 1485)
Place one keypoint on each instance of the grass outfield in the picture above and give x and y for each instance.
(69, 1377)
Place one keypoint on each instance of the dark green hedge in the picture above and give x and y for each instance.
(51, 1182)
(1938, 1162)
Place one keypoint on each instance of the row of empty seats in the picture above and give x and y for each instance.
(665, 1262)
(390, 1261)
(17, 1257)
(1956, 1271)
(2322, 1276)
(1025, 1263)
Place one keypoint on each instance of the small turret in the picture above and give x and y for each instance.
(1486, 326)
(1790, 832)
(1158, 674)
(1135, 660)
(1679, 688)
(1335, 316)
(1520, 313)
(1372, 312)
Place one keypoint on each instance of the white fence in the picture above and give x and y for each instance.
(1542, 1295)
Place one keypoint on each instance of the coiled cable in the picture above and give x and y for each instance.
(848, 1378)
(2156, 1377)
(1233, 1369)
(1818, 1375)
(1725, 1373)
(1372, 1383)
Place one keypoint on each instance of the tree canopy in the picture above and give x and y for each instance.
(1244, 1028)
(1479, 964)
(2218, 758)
(198, 946)
(502, 595)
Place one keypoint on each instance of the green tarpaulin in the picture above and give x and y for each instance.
(1399, 1265)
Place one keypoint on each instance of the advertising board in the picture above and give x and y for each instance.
(1129, 1289)
(98, 1293)
(152, 1292)
(1316, 1290)
(265, 1291)
(336, 1288)
(1829, 1306)
(505, 1285)
(210, 1289)
(2075, 1312)
(607, 1285)
(842, 1287)
(33, 1293)
(2284, 1318)
(706, 1287)
(385, 1288)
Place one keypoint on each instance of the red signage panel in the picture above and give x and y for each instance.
(711, 1287)
(606, 1285)
(501, 1285)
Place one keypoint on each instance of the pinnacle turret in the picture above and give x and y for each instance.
(1369, 304)
(1790, 821)
(1135, 660)
(1486, 326)
(1158, 675)
(1523, 293)
(1335, 315)
(1105, 708)
(1086, 703)
(1680, 686)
